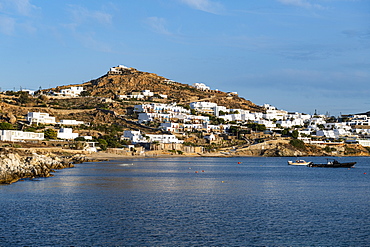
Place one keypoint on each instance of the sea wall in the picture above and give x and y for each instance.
(15, 166)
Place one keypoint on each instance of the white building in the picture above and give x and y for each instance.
(364, 142)
(147, 93)
(330, 126)
(267, 123)
(211, 137)
(71, 92)
(141, 95)
(196, 119)
(149, 117)
(172, 127)
(201, 86)
(137, 137)
(359, 120)
(133, 136)
(30, 92)
(160, 108)
(39, 118)
(117, 70)
(90, 147)
(70, 122)
(18, 136)
(290, 123)
(163, 138)
(336, 133)
(66, 133)
(205, 107)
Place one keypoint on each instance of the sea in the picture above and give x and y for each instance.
(191, 201)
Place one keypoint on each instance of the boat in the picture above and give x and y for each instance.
(333, 163)
(299, 163)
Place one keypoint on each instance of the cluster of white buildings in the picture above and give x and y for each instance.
(142, 95)
(41, 118)
(177, 119)
(166, 113)
(138, 137)
(44, 118)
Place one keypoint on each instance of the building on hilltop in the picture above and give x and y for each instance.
(118, 70)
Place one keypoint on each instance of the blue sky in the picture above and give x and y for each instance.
(298, 55)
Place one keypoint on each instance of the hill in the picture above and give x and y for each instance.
(124, 81)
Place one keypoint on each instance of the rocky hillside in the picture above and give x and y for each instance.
(131, 80)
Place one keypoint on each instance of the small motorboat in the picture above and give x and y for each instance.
(333, 163)
(299, 163)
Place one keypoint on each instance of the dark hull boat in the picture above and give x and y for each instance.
(334, 164)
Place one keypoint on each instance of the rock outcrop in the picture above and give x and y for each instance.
(15, 166)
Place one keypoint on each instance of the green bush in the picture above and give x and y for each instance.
(299, 144)
(6, 126)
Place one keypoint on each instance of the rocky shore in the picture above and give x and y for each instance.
(18, 165)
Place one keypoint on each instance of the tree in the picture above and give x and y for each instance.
(103, 144)
(295, 134)
(24, 98)
(285, 132)
(50, 134)
(80, 139)
(85, 93)
(299, 144)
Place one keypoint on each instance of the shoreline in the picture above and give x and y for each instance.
(104, 156)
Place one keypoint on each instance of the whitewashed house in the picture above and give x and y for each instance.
(30, 92)
(19, 136)
(329, 126)
(70, 122)
(71, 92)
(118, 70)
(160, 108)
(211, 137)
(171, 127)
(147, 93)
(149, 117)
(290, 123)
(90, 147)
(269, 124)
(335, 133)
(133, 136)
(137, 137)
(39, 118)
(359, 120)
(363, 142)
(66, 133)
(205, 107)
(163, 138)
(196, 119)
(201, 86)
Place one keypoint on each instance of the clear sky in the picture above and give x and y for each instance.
(298, 55)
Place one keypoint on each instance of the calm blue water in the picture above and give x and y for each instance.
(164, 202)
